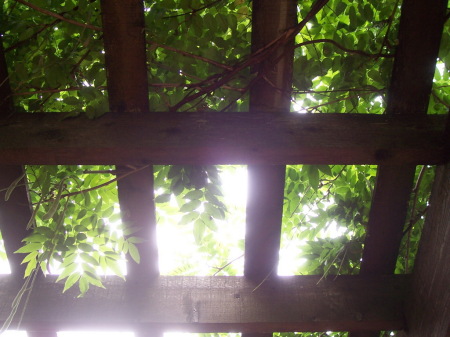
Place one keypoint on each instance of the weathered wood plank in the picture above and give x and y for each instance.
(428, 307)
(270, 93)
(223, 138)
(409, 92)
(14, 213)
(218, 304)
(42, 333)
(386, 219)
(126, 61)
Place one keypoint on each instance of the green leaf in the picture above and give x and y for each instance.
(67, 271)
(163, 198)
(89, 259)
(83, 285)
(30, 267)
(190, 206)
(134, 252)
(188, 218)
(194, 195)
(199, 230)
(85, 247)
(81, 214)
(325, 169)
(93, 279)
(54, 206)
(81, 237)
(30, 247)
(13, 186)
(135, 239)
(313, 177)
(214, 211)
(114, 266)
(29, 257)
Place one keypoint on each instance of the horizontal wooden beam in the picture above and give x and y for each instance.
(217, 304)
(222, 138)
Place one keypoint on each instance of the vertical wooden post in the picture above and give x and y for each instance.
(409, 92)
(14, 213)
(126, 68)
(270, 92)
(428, 307)
(126, 64)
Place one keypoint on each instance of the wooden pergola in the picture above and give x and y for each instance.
(266, 139)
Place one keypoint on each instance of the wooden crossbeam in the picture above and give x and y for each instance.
(217, 304)
(223, 138)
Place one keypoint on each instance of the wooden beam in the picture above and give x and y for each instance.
(409, 92)
(428, 306)
(126, 64)
(14, 213)
(41, 333)
(223, 138)
(386, 219)
(217, 304)
(269, 93)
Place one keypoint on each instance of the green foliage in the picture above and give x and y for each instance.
(325, 212)
(196, 189)
(73, 225)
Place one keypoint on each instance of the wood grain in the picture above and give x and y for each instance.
(223, 138)
(218, 304)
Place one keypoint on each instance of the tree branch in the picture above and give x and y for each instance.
(60, 17)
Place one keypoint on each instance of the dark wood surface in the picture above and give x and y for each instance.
(222, 138)
(409, 92)
(270, 93)
(428, 307)
(217, 304)
(126, 63)
(15, 212)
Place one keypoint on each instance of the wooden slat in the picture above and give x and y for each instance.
(14, 213)
(223, 138)
(218, 304)
(428, 307)
(408, 93)
(270, 93)
(386, 219)
(126, 63)
(41, 333)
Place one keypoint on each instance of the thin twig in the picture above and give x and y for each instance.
(185, 53)
(390, 20)
(101, 185)
(193, 11)
(352, 51)
(223, 267)
(20, 43)
(52, 91)
(58, 16)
